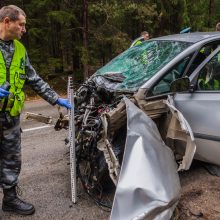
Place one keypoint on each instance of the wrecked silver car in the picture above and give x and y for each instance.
(143, 111)
(175, 81)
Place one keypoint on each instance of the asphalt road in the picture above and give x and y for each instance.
(45, 175)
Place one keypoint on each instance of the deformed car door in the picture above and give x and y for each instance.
(201, 108)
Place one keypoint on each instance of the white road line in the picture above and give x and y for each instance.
(37, 128)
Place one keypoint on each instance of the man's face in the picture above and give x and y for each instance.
(15, 29)
(146, 37)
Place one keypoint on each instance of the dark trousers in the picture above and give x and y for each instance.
(10, 150)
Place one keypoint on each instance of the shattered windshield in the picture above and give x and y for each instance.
(135, 66)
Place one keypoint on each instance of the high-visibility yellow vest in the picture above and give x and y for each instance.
(16, 76)
(138, 43)
(210, 85)
(218, 57)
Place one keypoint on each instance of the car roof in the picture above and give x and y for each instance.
(190, 37)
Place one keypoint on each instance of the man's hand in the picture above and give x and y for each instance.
(64, 103)
(4, 93)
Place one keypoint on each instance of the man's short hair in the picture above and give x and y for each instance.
(218, 26)
(12, 12)
(144, 32)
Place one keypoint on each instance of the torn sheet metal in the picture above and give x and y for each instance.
(148, 186)
(180, 129)
(111, 159)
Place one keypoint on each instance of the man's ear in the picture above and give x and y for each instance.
(6, 20)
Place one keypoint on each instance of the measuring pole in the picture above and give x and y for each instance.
(72, 141)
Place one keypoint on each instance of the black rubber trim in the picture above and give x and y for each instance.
(207, 137)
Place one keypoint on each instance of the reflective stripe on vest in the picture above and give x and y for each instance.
(17, 79)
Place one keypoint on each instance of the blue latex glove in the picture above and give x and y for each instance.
(4, 93)
(64, 103)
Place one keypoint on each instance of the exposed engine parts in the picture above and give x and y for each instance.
(97, 157)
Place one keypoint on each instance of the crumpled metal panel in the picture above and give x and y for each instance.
(180, 129)
(148, 186)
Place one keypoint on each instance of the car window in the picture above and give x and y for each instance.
(202, 54)
(163, 86)
(138, 64)
(209, 76)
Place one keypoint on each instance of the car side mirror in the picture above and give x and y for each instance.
(180, 85)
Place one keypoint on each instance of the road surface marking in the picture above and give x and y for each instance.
(37, 128)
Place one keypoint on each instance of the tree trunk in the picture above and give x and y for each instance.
(211, 9)
(85, 39)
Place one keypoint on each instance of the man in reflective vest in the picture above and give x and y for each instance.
(144, 36)
(15, 71)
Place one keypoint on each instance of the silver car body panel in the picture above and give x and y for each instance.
(148, 185)
(192, 37)
(201, 109)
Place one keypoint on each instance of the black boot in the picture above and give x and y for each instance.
(11, 203)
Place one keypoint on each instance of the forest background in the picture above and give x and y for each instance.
(79, 36)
